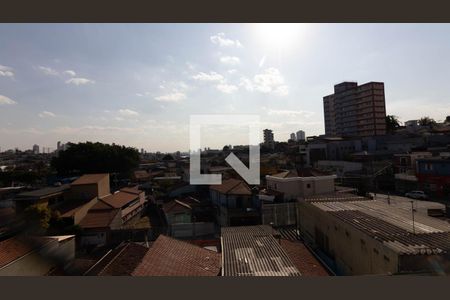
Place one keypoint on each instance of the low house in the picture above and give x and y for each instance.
(235, 203)
(171, 257)
(48, 196)
(24, 256)
(188, 217)
(111, 213)
(296, 184)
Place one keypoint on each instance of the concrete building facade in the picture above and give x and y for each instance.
(355, 110)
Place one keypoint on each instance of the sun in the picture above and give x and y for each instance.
(279, 35)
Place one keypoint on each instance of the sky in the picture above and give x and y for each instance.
(138, 84)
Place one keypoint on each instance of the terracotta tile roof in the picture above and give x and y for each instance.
(119, 199)
(69, 208)
(16, 247)
(100, 205)
(90, 179)
(131, 190)
(121, 261)
(303, 259)
(98, 218)
(183, 205)
(171, 257)
(303, 172)
(232, 187)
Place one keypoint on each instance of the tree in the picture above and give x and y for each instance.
(392, 123)
(37, 218)
(427, 121)
(90, 157)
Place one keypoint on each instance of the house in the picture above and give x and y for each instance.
(187, 218)
(89, 186)
(359, 236)
(25, 256)
(171, 257)
(48, 196)
(301, 183)
(433, 176)
(235, 203)
(141, 176)
(111, 213)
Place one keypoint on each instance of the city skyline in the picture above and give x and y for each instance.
(128, 84)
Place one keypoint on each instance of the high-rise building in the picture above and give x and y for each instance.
(36, 149)
(268, 138)
(300, 135)
(355, 110)
(293, 137)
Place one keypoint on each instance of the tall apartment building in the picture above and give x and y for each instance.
(355, 110)
(300, 135)
(293, 138)
(268, 138)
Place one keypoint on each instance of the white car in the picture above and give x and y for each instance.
(416, 195)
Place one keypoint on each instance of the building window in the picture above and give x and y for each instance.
(386, 258)
(375, 250)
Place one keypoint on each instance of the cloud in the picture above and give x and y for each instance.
(227, 88)
(269, 81)
(79, 81)
(230, 60)
(221, 40)
(6, 71)
(212, 76)
(6, 101)
(128, 112)
(232, 71)
(172, 97)
(48, 71)
(46, 114)
(292, 113)
(70, 73)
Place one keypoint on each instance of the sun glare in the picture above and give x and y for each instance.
(279, 35)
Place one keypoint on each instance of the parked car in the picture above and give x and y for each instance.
(416, 195)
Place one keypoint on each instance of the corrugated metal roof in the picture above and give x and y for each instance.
(395, 237)
(253, 251)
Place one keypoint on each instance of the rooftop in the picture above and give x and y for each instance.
(392, 225)
(16, 247)
(90, 179)
(98, 218)
(232, 187)
(253, 251)
(171, 257)
(119, 199)
(44, 192)
(121, 261)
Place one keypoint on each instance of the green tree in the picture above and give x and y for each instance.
(392, 123)
(37, 218)
(90, 157)
(427, 121)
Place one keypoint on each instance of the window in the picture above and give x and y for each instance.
(308, 185)
(375, 250)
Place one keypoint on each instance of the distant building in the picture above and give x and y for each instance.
(300, 135)
(36, 149)
(268, 138)
(293, 137)
(355, 110)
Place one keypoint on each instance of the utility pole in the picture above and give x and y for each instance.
(412, 212)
